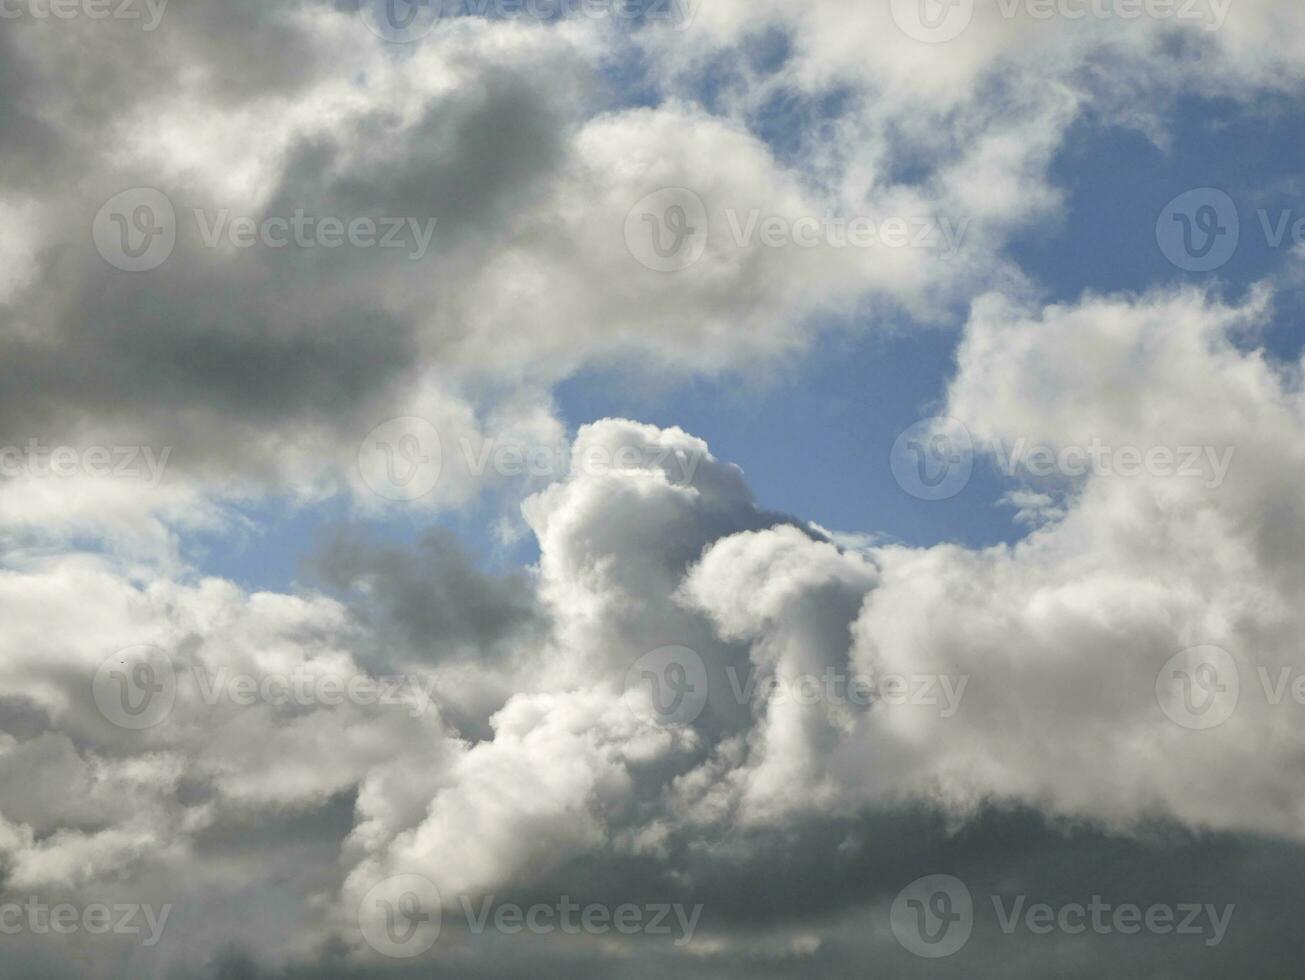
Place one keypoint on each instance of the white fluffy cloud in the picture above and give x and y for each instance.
(503, 750)
(1060, 638)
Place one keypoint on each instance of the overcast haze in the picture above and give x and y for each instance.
(651, 488)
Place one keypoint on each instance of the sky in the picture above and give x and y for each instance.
(811, 432)
(711, 487)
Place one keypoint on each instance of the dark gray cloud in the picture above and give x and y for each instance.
(428, 602)
(230, 355)
(836, 880)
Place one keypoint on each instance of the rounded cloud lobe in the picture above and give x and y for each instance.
(1043, 656)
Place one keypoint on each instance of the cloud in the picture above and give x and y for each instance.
(409, 713)
(1059, 638)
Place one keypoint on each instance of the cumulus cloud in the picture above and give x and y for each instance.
(274, 765)
(1059, 638)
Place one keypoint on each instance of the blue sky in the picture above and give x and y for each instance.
(813, 435)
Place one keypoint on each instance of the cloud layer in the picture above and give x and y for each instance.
(688, 700)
